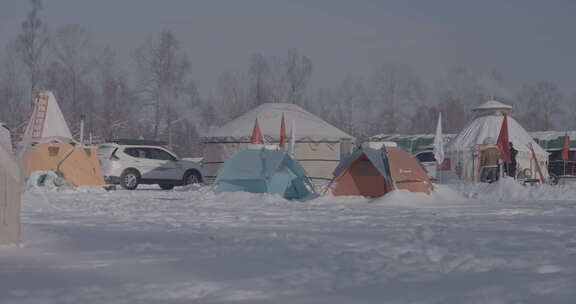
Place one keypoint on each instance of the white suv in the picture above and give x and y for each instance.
(133, 162)
(428, 162)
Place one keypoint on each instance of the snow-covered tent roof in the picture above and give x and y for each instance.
(269, 116)
(488, 126)
(47, 119)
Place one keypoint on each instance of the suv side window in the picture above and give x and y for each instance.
(134, 152)
(426, 157)
(159, 154)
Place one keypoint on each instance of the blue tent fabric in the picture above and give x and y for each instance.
(264, 171)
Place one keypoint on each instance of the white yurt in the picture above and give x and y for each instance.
(10, 191)
(318, 144)
(485, 128)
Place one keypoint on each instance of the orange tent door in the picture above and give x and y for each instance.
(406, 172)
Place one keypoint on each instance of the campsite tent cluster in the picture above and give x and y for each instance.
(358, 172)
(319, 151)
(268, 160)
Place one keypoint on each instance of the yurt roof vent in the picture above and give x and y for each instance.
(492, 107)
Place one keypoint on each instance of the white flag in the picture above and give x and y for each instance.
(438, 142)
(293, 138)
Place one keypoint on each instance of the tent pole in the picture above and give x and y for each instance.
(328, 186)
(82, 129)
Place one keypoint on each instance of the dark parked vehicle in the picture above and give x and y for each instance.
(558, 168)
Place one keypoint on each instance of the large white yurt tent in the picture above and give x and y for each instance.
(10, 191)
(462, 150)
(318, 145)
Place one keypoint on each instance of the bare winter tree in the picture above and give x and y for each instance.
(454, 113)
(11, 91)
(116, 102)
(31, 43)
(461, 90)
(164, 69)
(194, 99)
(540, 104)
(342, 107)
(259, 77)
(395, 88)
(298, 72)
(191, 123)
(232, 94)
(424, 119)
(72, 48)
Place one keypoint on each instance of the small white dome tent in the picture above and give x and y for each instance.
(462, 149)
(318, 145)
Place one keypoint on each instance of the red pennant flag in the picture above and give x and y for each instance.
(256, 134)
(282, 143)
(503, 141)
(565, 147)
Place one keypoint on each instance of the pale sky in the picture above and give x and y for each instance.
(525, 40)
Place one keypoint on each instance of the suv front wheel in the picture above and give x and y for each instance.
(192, 177)
(130, 179)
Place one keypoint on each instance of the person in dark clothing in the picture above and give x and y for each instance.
(511, 168)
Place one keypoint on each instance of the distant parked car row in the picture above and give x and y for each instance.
(560, 169)
(130, 163)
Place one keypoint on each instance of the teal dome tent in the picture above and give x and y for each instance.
(261, 169)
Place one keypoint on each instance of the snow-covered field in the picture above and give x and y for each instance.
(499, 243)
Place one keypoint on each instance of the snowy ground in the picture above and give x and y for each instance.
(498, 244)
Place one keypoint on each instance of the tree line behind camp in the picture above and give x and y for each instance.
(155, 93)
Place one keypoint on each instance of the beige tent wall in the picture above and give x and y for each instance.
(469, 164)
(318, 156)
(10, 191)
(80, 166)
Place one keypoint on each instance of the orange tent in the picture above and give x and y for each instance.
(373, 172)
